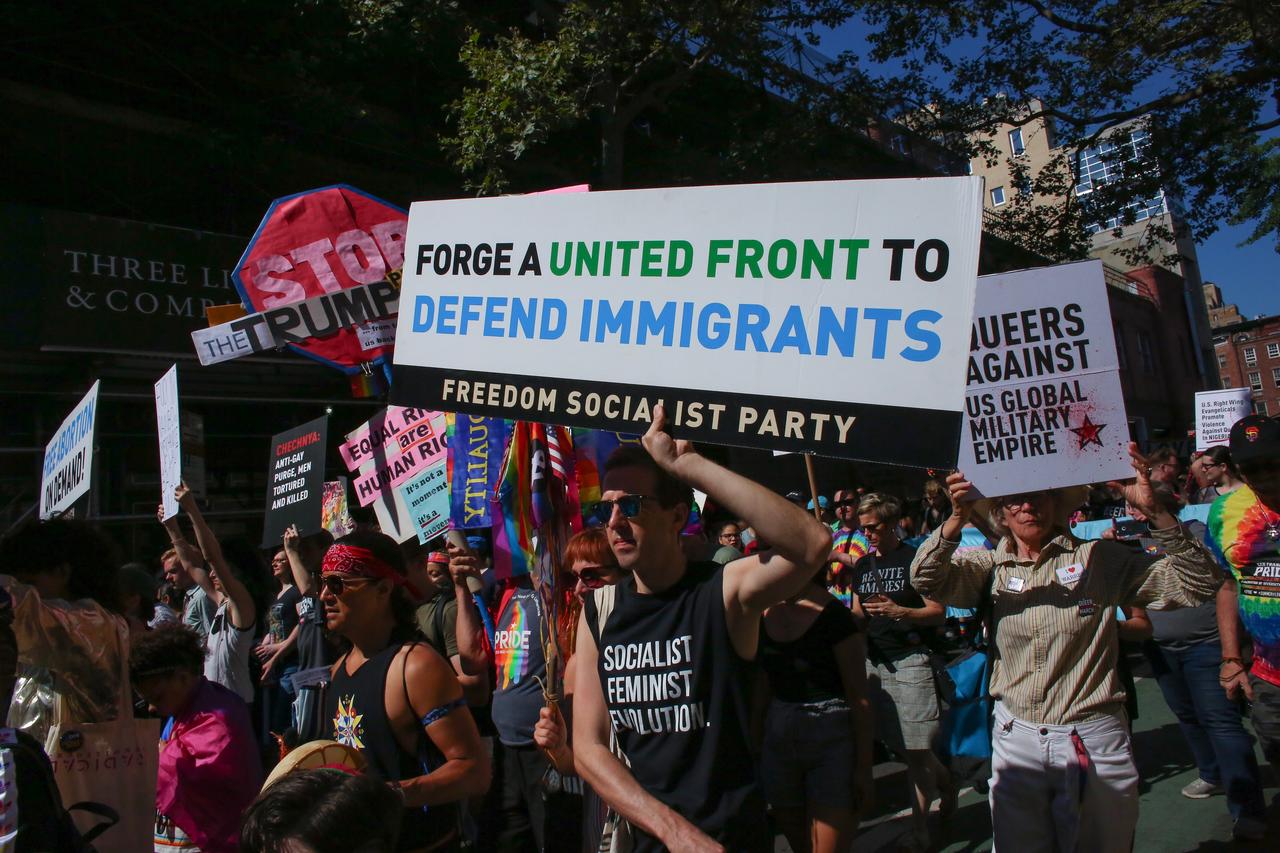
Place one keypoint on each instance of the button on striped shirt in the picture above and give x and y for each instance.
(1055, 617)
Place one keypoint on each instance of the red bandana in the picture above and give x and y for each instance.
(361, 562)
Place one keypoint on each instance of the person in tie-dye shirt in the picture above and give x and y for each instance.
(1244, 534)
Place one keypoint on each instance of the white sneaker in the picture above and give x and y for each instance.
(1249, 829)
(1200, 789)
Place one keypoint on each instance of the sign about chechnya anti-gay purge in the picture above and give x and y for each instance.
(295, 481)
(1044, 407)
(830, 317)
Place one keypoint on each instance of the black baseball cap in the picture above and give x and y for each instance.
(1255, 438)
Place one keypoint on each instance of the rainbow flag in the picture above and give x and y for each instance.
(592, 447)
(513, 507)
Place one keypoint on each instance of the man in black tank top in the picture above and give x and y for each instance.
(395, 699)
(673, 660)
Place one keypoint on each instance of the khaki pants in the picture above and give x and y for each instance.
(1042, 800)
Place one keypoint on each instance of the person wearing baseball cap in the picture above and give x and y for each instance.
(1244, 534)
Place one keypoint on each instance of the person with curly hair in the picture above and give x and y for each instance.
(209, 768)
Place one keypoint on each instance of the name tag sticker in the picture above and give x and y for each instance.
(1015, 584)
(1087, 607)
(1070, 575)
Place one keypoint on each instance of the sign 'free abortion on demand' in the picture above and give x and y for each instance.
(829, 317)
(68, 458)
(1044, 406)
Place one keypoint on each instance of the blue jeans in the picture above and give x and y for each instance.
(1211, 724)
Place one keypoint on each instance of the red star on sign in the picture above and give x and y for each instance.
(1088, 433)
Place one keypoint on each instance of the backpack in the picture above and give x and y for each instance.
(32, 817)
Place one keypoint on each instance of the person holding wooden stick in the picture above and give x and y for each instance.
(672, 661)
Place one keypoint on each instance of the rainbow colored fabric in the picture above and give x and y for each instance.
(513, 507)
(1238, 537)
(592, 447)
(851, 542)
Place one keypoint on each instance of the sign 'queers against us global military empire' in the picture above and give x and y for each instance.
(828, 317)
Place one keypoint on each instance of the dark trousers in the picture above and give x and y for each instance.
(518, 815)
(1211, 723)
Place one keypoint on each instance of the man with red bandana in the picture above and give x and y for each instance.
(1244, 534)
(395, 698)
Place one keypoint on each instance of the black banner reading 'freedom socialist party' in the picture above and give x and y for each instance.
(777, 316)
(295, 481)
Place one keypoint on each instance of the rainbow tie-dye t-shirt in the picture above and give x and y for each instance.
(1242, 535)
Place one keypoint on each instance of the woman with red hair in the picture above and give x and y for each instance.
(593, 567)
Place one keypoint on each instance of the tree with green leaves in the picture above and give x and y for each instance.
(1202, 77)
(608, 65)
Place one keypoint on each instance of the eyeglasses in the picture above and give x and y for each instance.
(845, 503)
(1015, 501)
(592, 577)
(339, 584)
(729, 536)
(601, 511)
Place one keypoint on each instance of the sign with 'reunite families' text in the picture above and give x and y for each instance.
(295, 481)
(169, 431)
(1217, 412)
(830, 317)
(68, 458)
(1044, 405)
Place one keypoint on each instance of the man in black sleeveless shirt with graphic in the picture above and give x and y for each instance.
(394, 698)
(673, 660)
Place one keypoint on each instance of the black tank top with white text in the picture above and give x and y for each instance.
(678, 699)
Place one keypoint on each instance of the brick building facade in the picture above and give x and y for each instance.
(1249, 357)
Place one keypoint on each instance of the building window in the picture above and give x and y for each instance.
(1260, 408)
(899, 143)
(1122, 358)
(1255, 381)
(1145, 353)
(1275, 376)
(1016, 145)
(1273, 350)
(1227, 382)
(1222, 361)
(997, 196)
(1250, 356)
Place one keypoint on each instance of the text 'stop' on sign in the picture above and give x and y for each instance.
(323, 241)
(830, 317)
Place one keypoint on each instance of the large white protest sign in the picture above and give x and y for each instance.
(169, 430)
(1217, 412)
(1044, 405)
(830, 317)
(68, 458)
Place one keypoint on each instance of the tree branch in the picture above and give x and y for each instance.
(1066, 23)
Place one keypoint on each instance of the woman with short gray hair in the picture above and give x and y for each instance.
(1062, 771)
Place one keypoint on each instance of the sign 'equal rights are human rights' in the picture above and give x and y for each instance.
(830, 317)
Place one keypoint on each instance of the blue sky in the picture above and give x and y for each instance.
(1249, 276)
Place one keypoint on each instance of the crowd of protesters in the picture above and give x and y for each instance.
(693, 687)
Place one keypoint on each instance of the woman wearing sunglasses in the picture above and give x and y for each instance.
(1062, 771)
(591, 567)
(395, 698)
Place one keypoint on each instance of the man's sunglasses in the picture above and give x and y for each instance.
(339, 584)
(630, 505)
(592, 577)
(844, 503)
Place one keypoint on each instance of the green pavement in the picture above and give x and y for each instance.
(1167, 823)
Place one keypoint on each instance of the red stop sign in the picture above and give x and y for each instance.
(318, 242)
